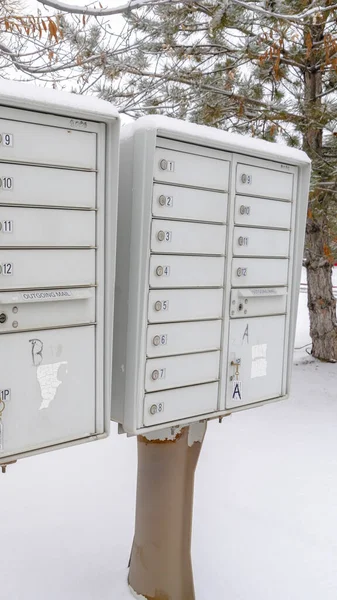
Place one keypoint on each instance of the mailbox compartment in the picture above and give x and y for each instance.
(261, 212)
(46, 227)
(260, 242)
(41, 309)
(21, 269)
(186, 271)
(178, 371)
(182, 338)
(177, 237)
(173, 202)
(173, 405)
(171, 166)
(253, 302)
(184, 305)
(261, 181)
(259, 271)
(258, 344)
(43, 186)
(52, 388)
(42, 144)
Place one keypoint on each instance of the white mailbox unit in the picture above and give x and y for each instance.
(209, 253)
(58, 214)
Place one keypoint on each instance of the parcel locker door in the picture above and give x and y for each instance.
(51, 385)
(255, 360)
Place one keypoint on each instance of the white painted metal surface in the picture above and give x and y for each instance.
(211, 232)
(58, 158)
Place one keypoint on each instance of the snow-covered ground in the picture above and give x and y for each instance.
(265, 518)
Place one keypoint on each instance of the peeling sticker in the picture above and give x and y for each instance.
(135, 595)
(259, 361)
(196, 432)
(47, 376)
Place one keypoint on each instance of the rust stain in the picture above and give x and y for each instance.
(159, 596)
(144, 440)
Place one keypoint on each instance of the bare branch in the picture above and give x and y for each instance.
(103, 12)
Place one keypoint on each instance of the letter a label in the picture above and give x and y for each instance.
(237, 391)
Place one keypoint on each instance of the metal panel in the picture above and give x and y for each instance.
(258, 346)
(173, 202)
(261, 181)
(41, 144)
(21, 269)
(190, 169)
(172, 405)
(259, 272)
(248, 241)
(177, 237)
(46, 227)
(178, 371)
(52, 388)
(186, 271)
(182, 338)
(253, 302)
(43, 186)
(261, 212)
(184, 305)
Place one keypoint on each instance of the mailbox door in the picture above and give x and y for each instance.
(176, 167)
(173, 202)
(184, 305)
(181, 338)
(51, 382)
(186, 271)
(255, 360)
(176, 237)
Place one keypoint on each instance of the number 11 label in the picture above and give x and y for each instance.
(6, 226)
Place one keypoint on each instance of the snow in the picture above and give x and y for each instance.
(33, 97)
(265, 517)
(234, 142)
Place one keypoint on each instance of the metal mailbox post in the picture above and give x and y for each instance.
(210, 241)
(58, 206)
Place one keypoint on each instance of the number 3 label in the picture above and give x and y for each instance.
(6, 139)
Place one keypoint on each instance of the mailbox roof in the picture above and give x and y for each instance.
(32, 97)
(217, 138)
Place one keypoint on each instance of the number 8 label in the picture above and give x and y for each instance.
(6, 139)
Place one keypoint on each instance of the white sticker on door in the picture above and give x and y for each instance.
(259, 361)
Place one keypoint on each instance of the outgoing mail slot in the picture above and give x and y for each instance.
(41, 309)
(259, 271)
(261, 212)
(261, 181)
(20, 269)
(173, 202)
(173, 405)
(184, 305)
(52, 388)
(253, 302)
(178, 371)
(187, 238)
(255, 360)
(191, 169)
(182, 338)
(42, 186)
(41, 144)
(260, 242)
(46, 227)
(186, 271)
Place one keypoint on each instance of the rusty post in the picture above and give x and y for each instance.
(160, 564)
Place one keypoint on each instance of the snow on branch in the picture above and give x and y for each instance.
(103, 12)
(310, 12)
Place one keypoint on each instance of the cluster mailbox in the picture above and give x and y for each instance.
(58, 205)
(209, 252)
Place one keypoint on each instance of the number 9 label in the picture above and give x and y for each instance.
(6, 139)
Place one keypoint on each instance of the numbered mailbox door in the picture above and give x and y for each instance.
(255, 360)
(47, 385)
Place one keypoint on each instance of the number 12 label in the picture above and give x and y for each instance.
(6, 269)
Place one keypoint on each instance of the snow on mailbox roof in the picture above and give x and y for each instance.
(217, 138)
(31, 97)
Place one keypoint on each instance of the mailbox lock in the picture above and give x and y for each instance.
(158, 306)
(153, 409)
(156, 340)
(162, 200)
(155, 375)
(161, 236)
(239, 272)
(3, 318)
(240, 306)
(159, 271)
(163, 164)
(236, 363)
(244, 178)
